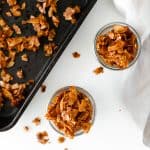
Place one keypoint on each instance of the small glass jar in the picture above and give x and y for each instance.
(109, 27)
(86, 94)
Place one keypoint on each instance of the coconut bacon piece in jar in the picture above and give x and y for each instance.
(118, 47)
(70, 111)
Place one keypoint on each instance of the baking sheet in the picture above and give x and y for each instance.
(39, 66)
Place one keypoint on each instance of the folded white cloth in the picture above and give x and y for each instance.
(136, 13)
(135, 86)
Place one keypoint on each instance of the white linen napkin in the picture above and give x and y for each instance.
(135, 86)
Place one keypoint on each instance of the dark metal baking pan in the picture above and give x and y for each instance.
(39, 66)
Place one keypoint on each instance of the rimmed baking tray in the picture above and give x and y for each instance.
(39, 66)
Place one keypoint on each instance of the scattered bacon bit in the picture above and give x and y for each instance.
(20, 74)
(75, 54)
(24, 57)
(36, 121)
(98, 70)
(61, 139)
(8, 13)
(42, 137)
(70, 12)
(118, 47)
(70, 111)
(16, 29)
(43, 88)
(26, 128)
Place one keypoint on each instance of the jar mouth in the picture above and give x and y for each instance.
(87, 95)
(108, 27)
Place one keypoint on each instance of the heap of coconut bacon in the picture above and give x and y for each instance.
(71, 111)
(118, 47)
(13, 42)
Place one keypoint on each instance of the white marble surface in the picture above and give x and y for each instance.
(113, 129)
